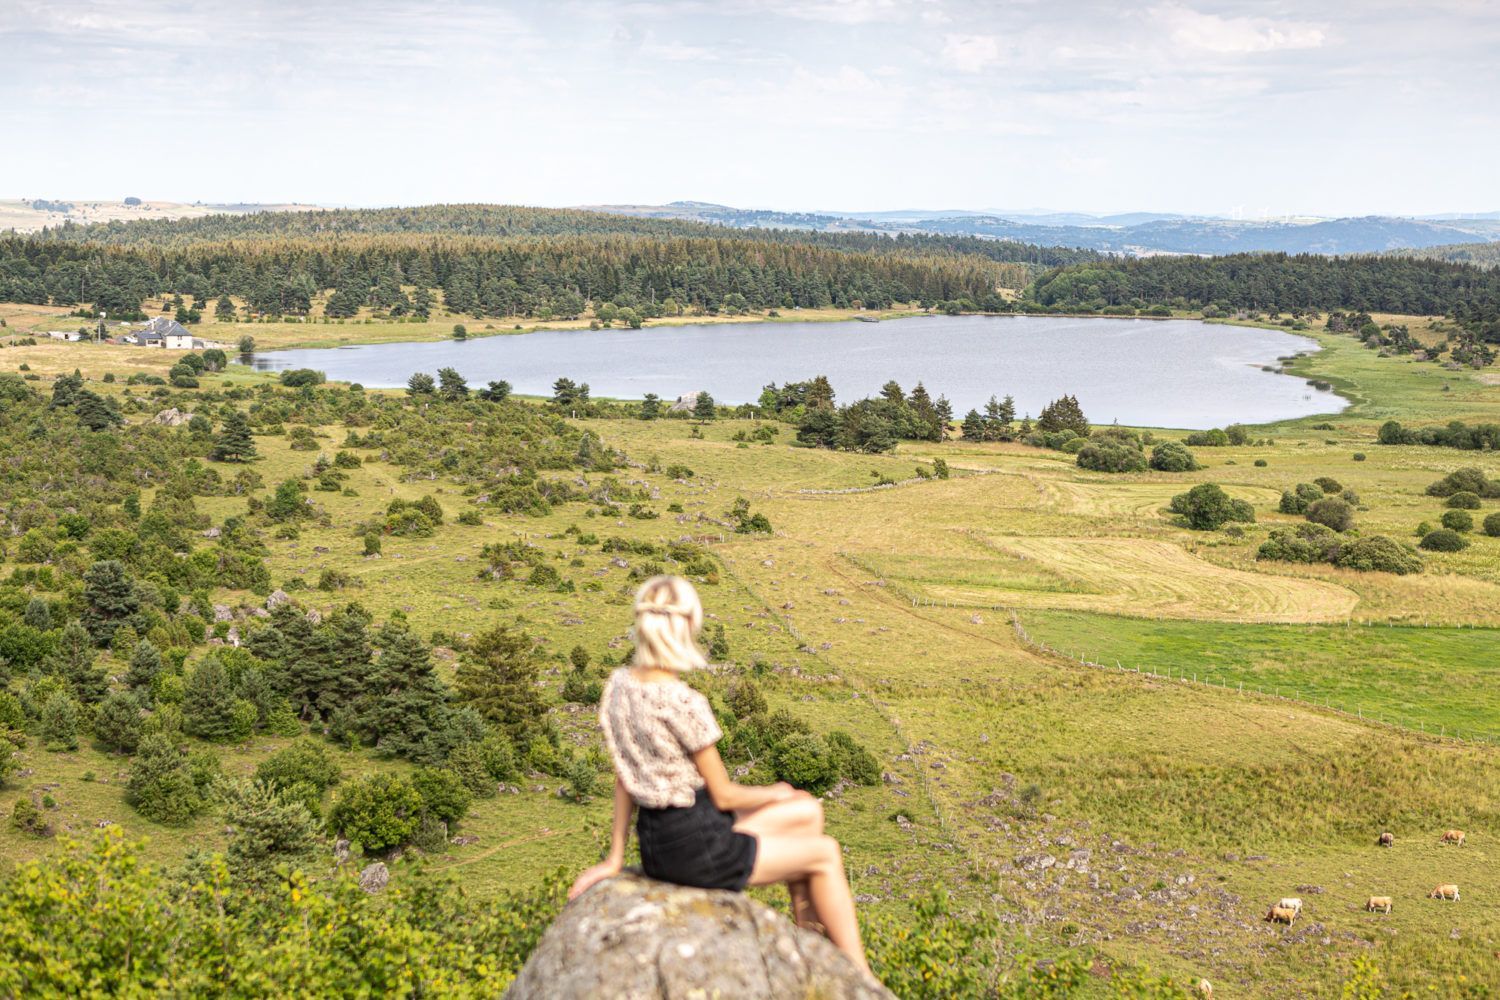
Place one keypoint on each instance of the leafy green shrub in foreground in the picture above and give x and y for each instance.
(1206, 507)
(1110, 456)
(1464, 500)
(97, 920)
(1492, 525)
(1170, 456)
(1378, 554)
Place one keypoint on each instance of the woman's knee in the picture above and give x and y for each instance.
(809, 814)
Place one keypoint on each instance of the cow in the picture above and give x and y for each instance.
(1381, 903)
(1454, 837)
(1445, 891)
(1387, 839)
(1291, 903)
(1280, 915)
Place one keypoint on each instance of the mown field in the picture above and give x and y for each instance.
(1151, 820)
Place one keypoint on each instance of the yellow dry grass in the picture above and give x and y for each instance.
(1151, 578)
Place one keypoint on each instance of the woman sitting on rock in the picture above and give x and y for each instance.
(697, 827)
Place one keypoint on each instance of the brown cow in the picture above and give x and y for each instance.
(1445, 891)
(1381, 903)
(1454, 837)
(1387, 839)
(1281, 915)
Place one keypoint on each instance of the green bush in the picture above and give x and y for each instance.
(1304, 543)
(1261, 463)
(1206, 507)
(1207, 439)
(1328, 485)
(803, 761)
(379, 811)
(1332, 512)
(132, 927)
(1444, 540)
(853, 762)
(1297, 500)
(1458, 520)
(1378, 553)
(1492, 525)
(1170, 456)
(1359, 456)
(444, 796)
(1467, 480)
(1109, 456)
(1464, 500)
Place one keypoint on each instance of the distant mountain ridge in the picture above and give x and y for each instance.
(1129, 233)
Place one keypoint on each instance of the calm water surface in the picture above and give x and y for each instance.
(1149, 373)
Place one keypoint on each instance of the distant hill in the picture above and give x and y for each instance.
(1131, 233)
(30, 215)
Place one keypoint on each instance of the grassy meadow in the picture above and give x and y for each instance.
(1148, 819)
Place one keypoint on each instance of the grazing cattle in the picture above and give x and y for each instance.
(1387, 839)
(1280, 915)
(1291, 903)
(1381, 903)
(1445, 891)
(1205, 988)
(1454, 837)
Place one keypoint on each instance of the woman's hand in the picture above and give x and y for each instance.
(781, 792)
(598, 873)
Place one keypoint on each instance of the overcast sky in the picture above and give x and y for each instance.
(1327, 107)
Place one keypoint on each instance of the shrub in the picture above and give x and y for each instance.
(378, 811)
(1170, 456)
(1378, 553)
(1332, 512)
(1261, 463)
(444, 796)
(1109, 456)
(1464, 500)
(854, 762)
(1297, 500)
(1207, 439)
(1492, 525)
(1467, 480)
(165, 785)
(1359, 456)
(27, 818)
(1458, 520)
(1304, 543)
(1444, 540)
(1328, 485)
(1206, 507)
(803, 761)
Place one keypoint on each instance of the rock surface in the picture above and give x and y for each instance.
(646, 940)
(374, 878)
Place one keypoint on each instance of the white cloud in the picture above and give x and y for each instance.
(1230, 35)
(971, 53)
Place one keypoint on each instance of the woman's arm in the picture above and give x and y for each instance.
(619, 836)
(728, 795)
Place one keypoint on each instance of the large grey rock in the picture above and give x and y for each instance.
(631, 937)
(171, 417)
(375, 877)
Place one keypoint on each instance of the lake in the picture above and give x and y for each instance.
(1146, 373)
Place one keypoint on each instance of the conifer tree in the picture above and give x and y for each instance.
(404, 702)
(703, 409)
(73, 661)
(270, 828)
(162, 785)
(224, 311)
(110, 599)
(60, 723)
(95, 412)
(145, 664)
(973, 426)
(234, 443)
(208, 705)
(38, 614)
(452, 385)
(117, 723)
(498, 678)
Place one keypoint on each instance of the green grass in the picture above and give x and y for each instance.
(1433, 678)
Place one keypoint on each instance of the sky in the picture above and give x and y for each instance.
(1321, 107)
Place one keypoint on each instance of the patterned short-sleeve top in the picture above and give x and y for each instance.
(652, 730)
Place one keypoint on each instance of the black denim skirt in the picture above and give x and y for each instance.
(695, 845)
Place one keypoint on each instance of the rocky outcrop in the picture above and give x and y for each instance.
(645, 940)
(171, 417)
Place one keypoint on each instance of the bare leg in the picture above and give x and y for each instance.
(799, 817)
(819, 862)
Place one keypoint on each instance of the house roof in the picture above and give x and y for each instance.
(162, 326)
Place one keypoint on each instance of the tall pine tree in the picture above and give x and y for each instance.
(234, 443)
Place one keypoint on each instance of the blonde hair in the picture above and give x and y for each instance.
(668, 616)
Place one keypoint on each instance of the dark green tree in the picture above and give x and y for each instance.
(420, 384)
(163, 785)
(270, 828)
(451, 384)
(208, 704)
(145, 664)
(118, 721)
(404, 704)
(703, 407)
(59, 723)
(110, 599)
(498, 677)
(234, 443)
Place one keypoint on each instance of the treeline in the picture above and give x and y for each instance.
(514, 220)
(1278, 282)
(523, 275)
